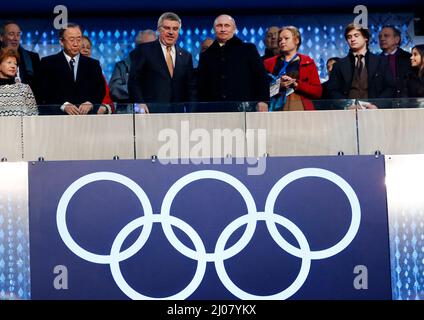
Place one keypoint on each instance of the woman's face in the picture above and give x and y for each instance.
(86, 48)
(8, 68)
(287, 42)
(416, 59)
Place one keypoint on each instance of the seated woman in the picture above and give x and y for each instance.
(107, 105)
(416, 80)
(295, 79)
(16, 99)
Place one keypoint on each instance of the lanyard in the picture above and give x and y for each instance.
(283, 69)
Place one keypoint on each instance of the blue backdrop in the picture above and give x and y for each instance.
(113, 38)
(320, 213)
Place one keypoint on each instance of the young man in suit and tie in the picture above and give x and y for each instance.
(70, 81)
(161, 72)
(361, 75)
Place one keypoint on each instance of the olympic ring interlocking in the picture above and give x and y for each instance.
(199, 254)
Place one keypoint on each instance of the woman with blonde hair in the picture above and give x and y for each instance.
(295, 79)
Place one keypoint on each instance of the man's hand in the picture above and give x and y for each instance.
(85, 107)
(71, 109)
(262, 107)
(141, 108)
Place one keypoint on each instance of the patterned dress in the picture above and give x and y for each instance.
(16, 99)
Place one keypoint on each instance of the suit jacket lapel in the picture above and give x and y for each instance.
(161, 57)
(346, 69)
(373, 62)
(66, 68)
(80, 67)
(178, 60)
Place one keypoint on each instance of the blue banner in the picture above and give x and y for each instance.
(308, 228)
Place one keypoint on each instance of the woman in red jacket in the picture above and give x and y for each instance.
(295, 79)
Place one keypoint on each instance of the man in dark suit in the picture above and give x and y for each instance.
(161, 72)
(10, 37)
(70, 80)
(231, 71)
(361, 75)
(399, 60)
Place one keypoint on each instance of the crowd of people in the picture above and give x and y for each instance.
(158, 75)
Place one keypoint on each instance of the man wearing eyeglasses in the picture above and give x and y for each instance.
(70, 81)
(10, 37)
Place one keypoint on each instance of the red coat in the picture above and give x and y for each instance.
(309, 86)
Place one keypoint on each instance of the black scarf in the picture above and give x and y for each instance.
(7, 81)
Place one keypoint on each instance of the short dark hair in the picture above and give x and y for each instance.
(420, 49)
(353, 26)
(88, 39)
(70, 25)
(5, 24)
(396, 31)
(4, 54)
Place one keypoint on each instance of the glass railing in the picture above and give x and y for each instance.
(213, 107)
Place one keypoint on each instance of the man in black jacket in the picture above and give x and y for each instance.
(398, 59)
(231, 71)
(70, 81)
(10, 37)
(361, 75)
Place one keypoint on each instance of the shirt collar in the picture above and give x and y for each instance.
(164, 47)
(68, 58)
(391, 53)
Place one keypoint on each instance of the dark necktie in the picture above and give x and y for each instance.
(359, 64)
(72, 65)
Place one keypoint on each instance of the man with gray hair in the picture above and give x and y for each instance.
(231, 70)
(10, 39)
(162, 72)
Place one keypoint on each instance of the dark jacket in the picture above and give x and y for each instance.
(415, 85)
(29, 67)
(118, 83)
(403, 72)
(232, 72)
(380, 80)
(57, 86)
(150, 80)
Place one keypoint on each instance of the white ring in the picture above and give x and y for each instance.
(342, 184)
(78, 184)
(126, 231)
(217, 175)
(301, 239)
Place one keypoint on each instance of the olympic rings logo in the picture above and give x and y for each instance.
(221, 253)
